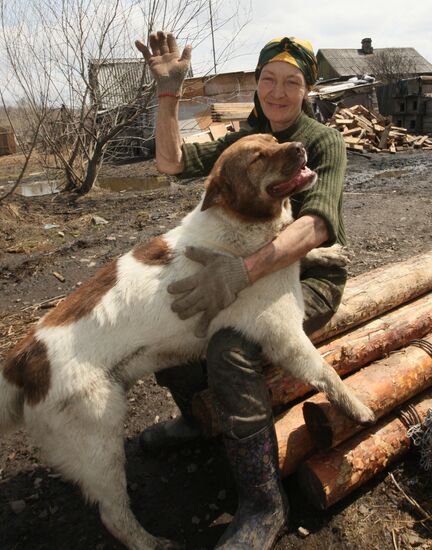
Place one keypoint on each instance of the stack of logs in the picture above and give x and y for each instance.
(227, 112)
(384, 328)
(365, 130)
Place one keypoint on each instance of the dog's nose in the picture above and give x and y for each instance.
(299, 148)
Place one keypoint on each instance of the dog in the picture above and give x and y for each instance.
(67, 379)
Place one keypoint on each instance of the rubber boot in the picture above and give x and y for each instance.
(262, 512)
(169, 434)
(183, 382)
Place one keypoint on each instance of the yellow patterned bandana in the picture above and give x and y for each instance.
(291, 50)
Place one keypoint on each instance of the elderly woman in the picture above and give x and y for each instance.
(234, 366)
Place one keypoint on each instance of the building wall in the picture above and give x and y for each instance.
(230, 84)
(325, 70)
(7, 142)
(409, 102)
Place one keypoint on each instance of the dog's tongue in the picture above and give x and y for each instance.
(288, 187)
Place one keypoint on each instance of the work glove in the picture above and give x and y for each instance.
(167, 67)
(211, 289)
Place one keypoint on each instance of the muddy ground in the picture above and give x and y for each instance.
(188, 495)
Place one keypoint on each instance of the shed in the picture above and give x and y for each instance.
(7, 141)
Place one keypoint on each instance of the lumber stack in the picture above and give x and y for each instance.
(383, 328)
(227, 112)
(365, 130)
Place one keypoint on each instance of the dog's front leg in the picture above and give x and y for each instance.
(304, 362)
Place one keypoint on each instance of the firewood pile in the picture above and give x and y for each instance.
(365, 130)
(380, 341)
(226, 112)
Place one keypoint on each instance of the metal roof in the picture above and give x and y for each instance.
(352, 61)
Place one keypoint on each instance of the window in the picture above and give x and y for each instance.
(401, 107)
(412, 124)
(415, 105)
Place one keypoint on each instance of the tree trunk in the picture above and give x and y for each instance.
(93, 168)
(328, 477)
(382, 386)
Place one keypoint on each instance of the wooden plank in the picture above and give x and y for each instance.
(346, 121)
(202, 137)
(217, 130)
(384, 137)
(352, 131)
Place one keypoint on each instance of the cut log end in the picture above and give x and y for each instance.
(313, 487)
(318, 425)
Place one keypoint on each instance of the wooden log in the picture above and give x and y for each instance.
(384, 137)
(365, 297)
(378, 291)
(294, 440)
(360, 346)
(345, 354)
(328, 477)
(383, 386)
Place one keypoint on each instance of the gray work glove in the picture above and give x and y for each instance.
(168, 68)
(211, 289)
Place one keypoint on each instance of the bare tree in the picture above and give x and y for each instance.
(391, 65)
(74, 64)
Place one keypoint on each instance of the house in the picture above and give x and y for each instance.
(348, 62)
(199, 93)
(409, 102)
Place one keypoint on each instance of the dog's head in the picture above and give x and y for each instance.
(253, 177)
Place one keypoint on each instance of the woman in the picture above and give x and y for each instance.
(285, 72)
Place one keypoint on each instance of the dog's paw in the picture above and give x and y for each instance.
(333, 255)
(365, 416)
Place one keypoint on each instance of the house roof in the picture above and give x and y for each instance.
(351, 61)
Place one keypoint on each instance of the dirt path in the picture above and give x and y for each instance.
(188, 494)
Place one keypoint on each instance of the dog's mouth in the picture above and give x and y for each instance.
(299, 182)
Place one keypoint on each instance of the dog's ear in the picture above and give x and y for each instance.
(213, 192)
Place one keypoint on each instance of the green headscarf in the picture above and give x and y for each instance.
(290, 50)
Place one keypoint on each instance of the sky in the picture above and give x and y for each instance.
(326, 24)
(330, 24)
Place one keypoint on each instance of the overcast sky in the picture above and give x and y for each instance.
(331, 24)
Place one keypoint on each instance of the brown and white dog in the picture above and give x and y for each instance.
(67, 379)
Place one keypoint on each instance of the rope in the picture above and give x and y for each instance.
(419, 432)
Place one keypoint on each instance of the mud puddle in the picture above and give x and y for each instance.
(146, 183)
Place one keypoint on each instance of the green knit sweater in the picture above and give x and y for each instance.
(327, 156)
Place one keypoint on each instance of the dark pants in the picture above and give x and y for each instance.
(234, 372)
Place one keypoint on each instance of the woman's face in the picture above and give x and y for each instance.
(281, 90)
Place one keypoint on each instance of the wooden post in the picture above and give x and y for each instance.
(382, 386)
(327, 477)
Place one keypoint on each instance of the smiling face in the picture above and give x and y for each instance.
(253, 177)
(281, 91)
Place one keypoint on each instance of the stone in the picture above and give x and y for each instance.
(17, 506)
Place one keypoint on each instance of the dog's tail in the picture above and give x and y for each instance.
(11, 404)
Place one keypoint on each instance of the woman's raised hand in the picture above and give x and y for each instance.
(168, 68)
